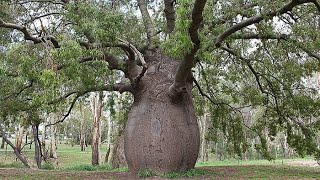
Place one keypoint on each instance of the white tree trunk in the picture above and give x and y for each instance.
(96, 137)
(53, 141)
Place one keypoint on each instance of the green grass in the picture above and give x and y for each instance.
(234, 162)
(86, 167)
(188, 174)
(11, 165)
(146, 173)
(68, 156)
(74, 164)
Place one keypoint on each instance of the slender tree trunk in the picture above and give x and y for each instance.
(37, 146)
(82, 129)
(43, 145)
(108, 140)
(203, 138)
(3, 141)
(53, 141)
(19, 138)
(15, 150)
(96, 137)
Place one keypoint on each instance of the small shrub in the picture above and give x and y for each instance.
(47, 166)
(146, 173)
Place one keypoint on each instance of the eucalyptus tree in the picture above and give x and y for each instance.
(252, 53)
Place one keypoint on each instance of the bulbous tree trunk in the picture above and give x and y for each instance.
(162, 131)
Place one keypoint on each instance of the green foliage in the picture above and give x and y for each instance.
(180, 43)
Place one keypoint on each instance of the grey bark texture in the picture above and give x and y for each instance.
(162, 132)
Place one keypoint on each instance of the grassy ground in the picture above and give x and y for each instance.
(74, 164)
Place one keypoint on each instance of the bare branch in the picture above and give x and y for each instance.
(259, 36)
(247, 62)
(170, 14)
(120, 87)
(314, 55)
(39, 1)
(184, 69)
(257, 19)
(151, 32)
(68, 112)
(29, 85)
(27, 35)
(44, 15)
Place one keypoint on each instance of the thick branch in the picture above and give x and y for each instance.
(27, 35)
(257, 19)
(170, 14)
(184, 68)
(151, 32)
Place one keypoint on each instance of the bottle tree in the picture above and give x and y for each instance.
(256, 53)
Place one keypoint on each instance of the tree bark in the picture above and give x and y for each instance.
(82, 129)
(3, 141)
(37, 146)
(203, 138)
(15, 150)
(108, 140)
(19, 138)
(43, 145)
(96, 137)
(53, 141)
(118, 155)
(162, 132)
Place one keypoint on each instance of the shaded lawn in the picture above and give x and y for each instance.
(211, 172)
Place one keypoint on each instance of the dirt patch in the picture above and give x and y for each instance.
(308, 163)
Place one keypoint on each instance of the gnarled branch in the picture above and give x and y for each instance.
(184, 68)
(151, 32)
